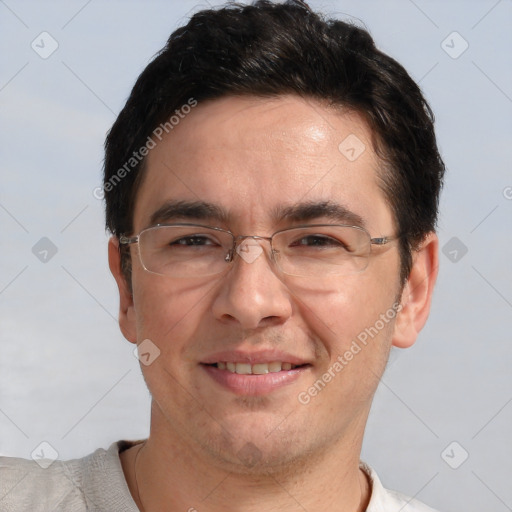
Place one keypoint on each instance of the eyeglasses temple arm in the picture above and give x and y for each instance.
(383, 240)
(124, 240)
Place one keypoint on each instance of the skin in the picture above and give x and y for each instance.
(250, 155)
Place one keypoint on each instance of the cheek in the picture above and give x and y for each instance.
(353, 342)
(352, 325)
(169, 315)
(168, 311)
(348, 306)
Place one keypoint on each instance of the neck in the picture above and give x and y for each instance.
(166, 474)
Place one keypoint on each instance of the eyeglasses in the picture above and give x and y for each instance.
(316, 250)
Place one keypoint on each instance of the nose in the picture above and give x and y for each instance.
(251, 294)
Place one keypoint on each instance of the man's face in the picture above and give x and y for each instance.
(251, 158)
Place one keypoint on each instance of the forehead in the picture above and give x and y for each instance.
(254, 156)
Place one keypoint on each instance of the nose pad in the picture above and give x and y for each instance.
(249, 250)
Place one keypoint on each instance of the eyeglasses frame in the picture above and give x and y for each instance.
(127, 241)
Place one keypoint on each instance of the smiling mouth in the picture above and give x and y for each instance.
(257, 368)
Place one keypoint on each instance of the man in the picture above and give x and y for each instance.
(272, 188)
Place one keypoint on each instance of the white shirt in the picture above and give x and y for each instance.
(96, 483)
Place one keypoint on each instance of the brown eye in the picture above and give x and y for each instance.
(193, 240)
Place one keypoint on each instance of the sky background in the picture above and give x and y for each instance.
(441, 421)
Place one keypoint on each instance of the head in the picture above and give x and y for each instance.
(247, 109)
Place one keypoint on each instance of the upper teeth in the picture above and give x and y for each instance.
(257, 369)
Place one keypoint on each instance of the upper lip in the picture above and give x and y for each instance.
(261, 356)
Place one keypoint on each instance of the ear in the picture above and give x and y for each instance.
(417, 293)
(127, 321)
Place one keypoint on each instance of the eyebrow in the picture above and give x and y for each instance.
(196, 210)
(311, 210)
(302, 212)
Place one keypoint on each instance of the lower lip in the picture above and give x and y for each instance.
(253, 385)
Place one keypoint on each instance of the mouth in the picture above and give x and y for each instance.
(254, 379)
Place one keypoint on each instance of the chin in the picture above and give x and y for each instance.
(253, 450)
